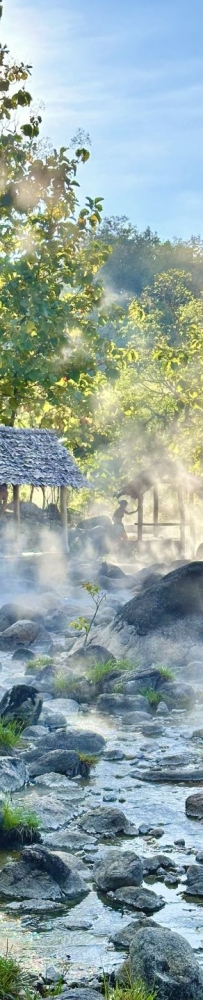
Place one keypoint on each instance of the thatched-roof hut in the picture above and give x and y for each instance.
(37, 458)
(164, 471)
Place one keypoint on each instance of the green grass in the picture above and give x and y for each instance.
(100, 670)
(166, 673)
(19, 819)
(14, 982)
(32, 666)
(131, 991)
(88, 758)
(152, 696)
(64, 684)
(10, 733)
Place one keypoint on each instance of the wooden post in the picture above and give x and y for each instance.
(156, 511)
(16, 510)
(64, 517)
(182, 519)
(140, 517)
(192, 524)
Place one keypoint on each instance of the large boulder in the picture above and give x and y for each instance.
(115, 870)
(11, 613)
(116, 704)
(195, 880)
(172, 600)
(42, 875)
(22, 704)
(165, 962)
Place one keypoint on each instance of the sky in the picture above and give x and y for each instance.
(130, 73)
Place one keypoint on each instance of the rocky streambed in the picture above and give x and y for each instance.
(113, 768)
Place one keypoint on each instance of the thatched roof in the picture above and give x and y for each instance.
(163, 471)
(37, 458)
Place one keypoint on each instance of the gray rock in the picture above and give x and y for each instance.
(115, 870)
(22, 704)
(34, 733)
(116, 704)
(74, 739)
(124, 937)
(138, 899)
(178, 695)
(41, 875)
(61, 761)
(173, 776)
(165, 962)
(53, 720)
(79, 993)
(157, 861)
(194, 805)
(22, 633)
(13, 774)
(11, 613)
(195, 881)
(106, 822)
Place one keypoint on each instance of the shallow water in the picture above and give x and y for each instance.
(80, 935)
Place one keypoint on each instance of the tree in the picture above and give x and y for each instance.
(52, 331)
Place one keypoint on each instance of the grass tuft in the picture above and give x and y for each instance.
(32, 666)
(88, 758)
(64, 684)
(100, 670)
(10, 733)
(129, 991)
(152, 696)
(15, 818)
(14, 982)
(166, 673)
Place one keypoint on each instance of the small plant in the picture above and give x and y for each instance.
(166, 673)
(64, 684)
(152, 696)
(17, 822)
(83, 623)
(32, 666)
(129, 991)
(10, 733)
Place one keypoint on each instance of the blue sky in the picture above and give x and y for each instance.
(130, 72)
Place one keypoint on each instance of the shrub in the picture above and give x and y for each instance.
(14, 983)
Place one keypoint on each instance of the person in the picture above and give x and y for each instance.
(118, 516)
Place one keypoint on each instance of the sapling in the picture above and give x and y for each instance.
(83, 623)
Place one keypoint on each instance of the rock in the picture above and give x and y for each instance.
(115, 870)
(21, 633)
(87, 656)
(79, 993)
(138, 720)
(34, 733)
(157, 861)
(11, 613)
(195, 881)
(40, 874)
(162, 708)
(106, 822)
(116, 704)
(173, 776)
(74, 739)
(139, 899)
(23, 654)
(61, 761)
(165, 962)
(124, 937)
(13, 774)
(194, 805)
(53, 720)
(22, 704)
(178, 695)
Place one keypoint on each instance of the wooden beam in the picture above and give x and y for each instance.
(64, 517)
(140, 517)
(182, 518)
(16, 509)
(156, 510)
